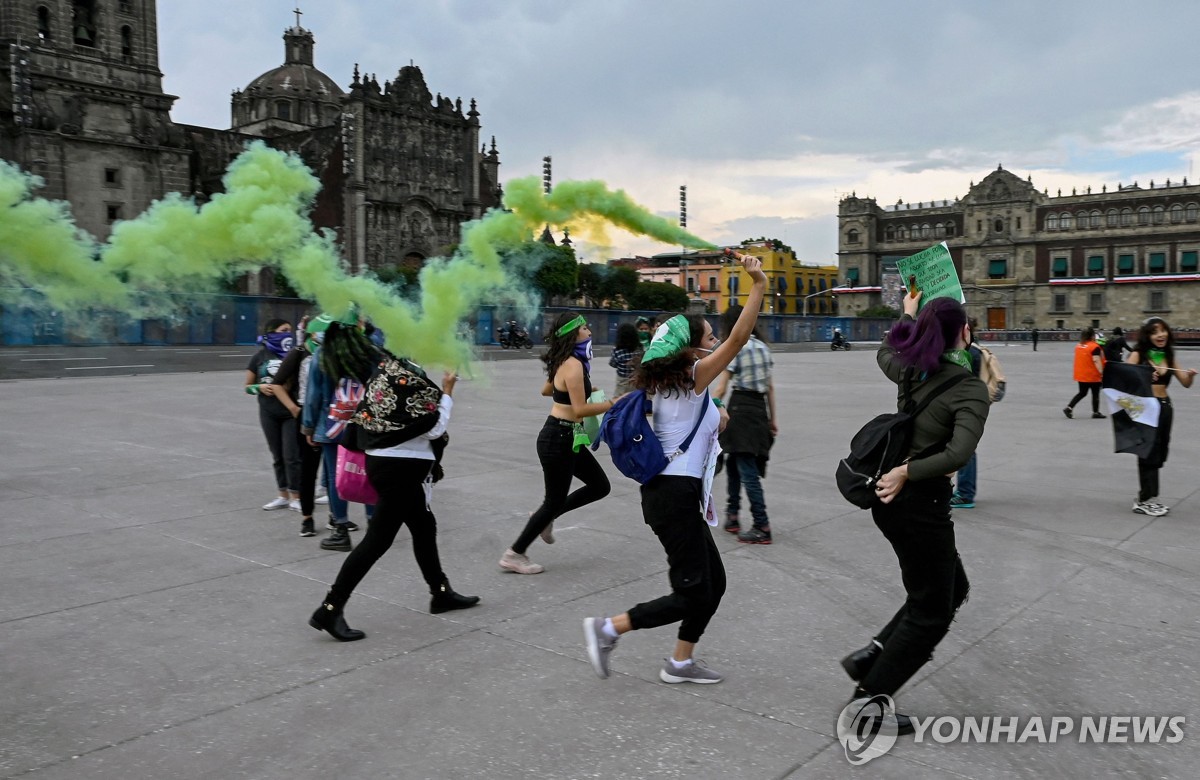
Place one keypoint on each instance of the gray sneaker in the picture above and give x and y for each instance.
(599, 645)
(696, 672)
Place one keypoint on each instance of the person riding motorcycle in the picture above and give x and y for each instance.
(838, 339)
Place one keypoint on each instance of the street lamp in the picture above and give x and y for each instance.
(814, 295)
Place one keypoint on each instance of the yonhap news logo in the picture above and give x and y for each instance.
(867, 729)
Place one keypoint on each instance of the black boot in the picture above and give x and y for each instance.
(903, 724)
(328, 617)
(338, 540)
(445, 599)
(858, 663)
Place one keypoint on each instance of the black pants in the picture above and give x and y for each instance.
(400, 484)
(310, 462)
(1084, 388)
(919, 528)
(559, 465)
(671, 507)
(1148, 468)
(279, 426)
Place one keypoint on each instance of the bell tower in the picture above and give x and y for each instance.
(82, 106)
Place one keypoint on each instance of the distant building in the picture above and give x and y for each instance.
(82, 106)
(1030, 259)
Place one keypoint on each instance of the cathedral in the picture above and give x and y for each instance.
(82, 106)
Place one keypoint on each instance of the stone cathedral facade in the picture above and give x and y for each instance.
(82, 106)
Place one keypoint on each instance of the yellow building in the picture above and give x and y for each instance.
(792, 287)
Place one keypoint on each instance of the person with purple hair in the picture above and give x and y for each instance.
(923, 356)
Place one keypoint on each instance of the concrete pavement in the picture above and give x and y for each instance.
(154, 619)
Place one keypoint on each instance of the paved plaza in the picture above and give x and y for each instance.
(154, 619)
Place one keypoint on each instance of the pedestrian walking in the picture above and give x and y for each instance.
(1088, 372)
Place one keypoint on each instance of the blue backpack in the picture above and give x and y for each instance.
(636, 451)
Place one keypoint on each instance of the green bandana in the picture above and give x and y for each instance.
(959, 357)
(578, 322)
(1157, 356)
(671, 338)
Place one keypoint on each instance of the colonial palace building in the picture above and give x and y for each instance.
(1030, 259)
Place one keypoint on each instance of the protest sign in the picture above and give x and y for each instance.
(935, 274)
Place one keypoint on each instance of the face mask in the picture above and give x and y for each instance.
(277, 343)
(583, 351)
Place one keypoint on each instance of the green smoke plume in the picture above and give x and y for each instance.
(261, 221)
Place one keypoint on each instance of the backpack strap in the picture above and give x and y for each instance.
(943, 387)
(699, 419)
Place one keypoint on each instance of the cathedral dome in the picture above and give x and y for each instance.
(296, 79)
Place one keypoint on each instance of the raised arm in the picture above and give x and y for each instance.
(709, 368)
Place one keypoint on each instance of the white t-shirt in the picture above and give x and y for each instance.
(419, 447)
(674, 416)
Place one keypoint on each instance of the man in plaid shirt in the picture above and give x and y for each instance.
(747, 439)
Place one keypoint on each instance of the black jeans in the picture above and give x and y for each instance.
(919, 528)
(1084, 388)
(671, 507)
(279, 426)
(559, 465)
(1148, 468)
(400, 484)
(310, 462)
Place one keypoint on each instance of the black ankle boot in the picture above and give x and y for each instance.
(328, 617)
(445, 599)
(902, 726)
(858, 663)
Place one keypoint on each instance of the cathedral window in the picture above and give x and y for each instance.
(126, 6)
(998, 226)
(113, 212)
(852, 236)
(283, 110)
(83, 22)
(43, 24)
(127, 42)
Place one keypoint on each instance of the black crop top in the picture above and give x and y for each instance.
(1163, 380)
(563, 397)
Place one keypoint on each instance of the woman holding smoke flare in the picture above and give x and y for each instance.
(410, 415)
(562, 445)
(924, 356)
(1156, 349)
(277, 412)
(683, 359)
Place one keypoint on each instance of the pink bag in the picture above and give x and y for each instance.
(351, 480)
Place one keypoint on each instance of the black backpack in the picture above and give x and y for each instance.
(882, 444)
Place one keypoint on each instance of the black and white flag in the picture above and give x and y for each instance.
(1131, 406)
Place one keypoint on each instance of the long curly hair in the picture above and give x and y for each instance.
(920, 343)
(559, 348)
(1144, 345)
(347, 353)
(671, 375)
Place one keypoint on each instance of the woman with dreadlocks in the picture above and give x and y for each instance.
(402, 420)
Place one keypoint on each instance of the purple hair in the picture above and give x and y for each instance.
(921, 342)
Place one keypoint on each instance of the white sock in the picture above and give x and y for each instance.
(681, 664)
(609, 629)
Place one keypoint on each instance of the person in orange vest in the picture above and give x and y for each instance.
(1089, 368)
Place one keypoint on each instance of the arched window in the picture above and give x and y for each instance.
(890, 233)
(949, 229)
(998, 225)
(1065, 221)
(1176, 214)
(1094, 219)
(1192, 212)
(1111, 218)
(127, 42)
(1144, 215)
(939, 230)
(1160, 215)
(1051, 222)
(851, 236)
(926, 230)
(1081, 220)
(900, 233)
(283, 110)
(83, 22)
(43, 24)
(1126, 217)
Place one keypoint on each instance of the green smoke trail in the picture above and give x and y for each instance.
(44, 251)
(261, 221)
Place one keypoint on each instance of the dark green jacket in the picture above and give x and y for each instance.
(958, 414)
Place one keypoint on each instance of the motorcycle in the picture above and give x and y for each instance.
(839, 343)
(515, 338)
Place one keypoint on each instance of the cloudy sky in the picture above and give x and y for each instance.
(768, 110)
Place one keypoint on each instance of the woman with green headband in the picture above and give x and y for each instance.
(683, 359)
(568, 359)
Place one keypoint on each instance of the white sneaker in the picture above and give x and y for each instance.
(1148, 508)
(320, 491)
(520, 564)
(321, 500)
(294, 505)
(276, 503)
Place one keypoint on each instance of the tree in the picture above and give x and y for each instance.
(591, 284)
(880, 311)
(619, 284)
(558, 273)
(658, 296)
